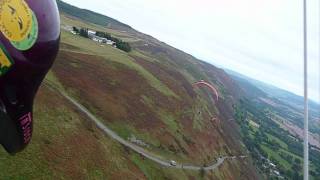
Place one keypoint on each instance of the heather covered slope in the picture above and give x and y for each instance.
(146, 94)
(66, 145)
(148, 100)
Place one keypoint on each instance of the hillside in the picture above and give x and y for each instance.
(91, 16)
(146, 94)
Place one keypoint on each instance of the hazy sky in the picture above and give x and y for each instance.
(259, 38)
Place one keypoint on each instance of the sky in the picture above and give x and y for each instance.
(262, 39)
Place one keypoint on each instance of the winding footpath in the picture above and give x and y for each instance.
(139, 150)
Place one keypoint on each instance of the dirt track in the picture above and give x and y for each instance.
(139, 150)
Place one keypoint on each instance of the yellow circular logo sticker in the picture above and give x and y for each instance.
(15, 19)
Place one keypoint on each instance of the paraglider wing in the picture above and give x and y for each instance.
(206, 84)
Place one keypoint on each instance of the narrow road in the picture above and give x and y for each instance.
(139, 150)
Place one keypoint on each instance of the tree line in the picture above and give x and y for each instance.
(122, 45)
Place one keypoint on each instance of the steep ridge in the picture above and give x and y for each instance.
(90, 15)
(146, 94)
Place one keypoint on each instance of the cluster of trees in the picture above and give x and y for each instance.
(125, 46)
(122, 45)
(82, 31)
(315, 159)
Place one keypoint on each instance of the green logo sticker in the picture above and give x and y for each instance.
(31, 38)
(6, 61)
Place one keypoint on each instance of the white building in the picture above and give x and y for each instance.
(91, 32)
(92, 35)
(272, 165)
(276, 173)
(109, 42)
(97, 40)
(73, 32)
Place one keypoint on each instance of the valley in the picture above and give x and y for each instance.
(105, 112)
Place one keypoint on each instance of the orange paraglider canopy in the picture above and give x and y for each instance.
(206, 84)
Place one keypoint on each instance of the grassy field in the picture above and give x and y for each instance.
(282, 144)
(71, 21)
(272, 154)
(113, 54)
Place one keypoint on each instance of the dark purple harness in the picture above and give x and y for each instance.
(31, 60)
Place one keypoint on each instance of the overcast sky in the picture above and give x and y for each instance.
(258, 38)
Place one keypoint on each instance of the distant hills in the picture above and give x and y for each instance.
(90, 16)
(274, 91)
(285, 99)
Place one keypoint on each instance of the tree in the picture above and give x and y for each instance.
(84, 32)
(289, 173)
(298, 161)
(274, 145)
(202, 172)
(100, 34)
(123, 46)
(75, 29)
